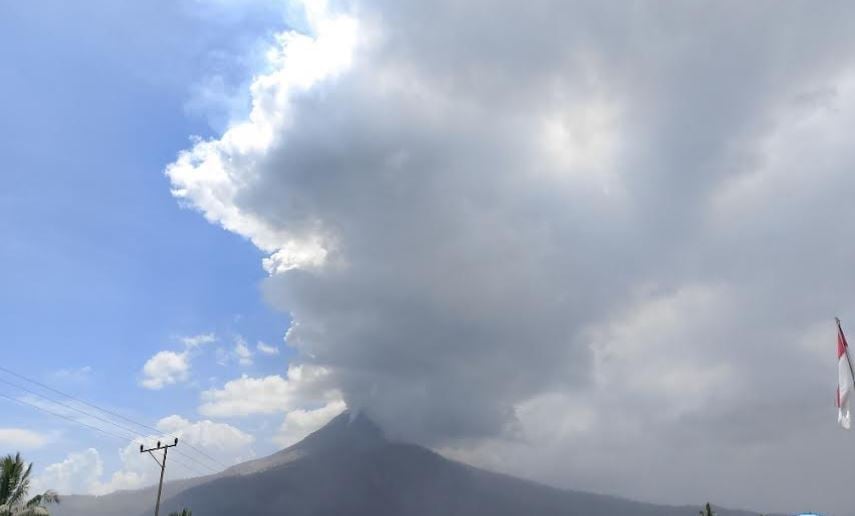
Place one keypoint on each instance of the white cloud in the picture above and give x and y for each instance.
(222, 356)
(83, 472)
(220, 438)
(79, 473)
(300, 62)
(266, 348)
(246, 396)
(194, 341)
(228, 444)
(80, 374)
(242, 352)
(171, 367)
(165, 368)
(21, 439)
(268, 395)
(301, 422)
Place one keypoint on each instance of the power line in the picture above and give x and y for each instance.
(71, 407)
(84, 402)
(114, 414)
(123, 439)
(133, 432)
(67, 418)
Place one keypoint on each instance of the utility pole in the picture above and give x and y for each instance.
(162, 464)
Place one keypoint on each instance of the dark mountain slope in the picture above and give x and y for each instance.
(348, 469)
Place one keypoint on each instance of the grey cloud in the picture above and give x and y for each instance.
(696, 179)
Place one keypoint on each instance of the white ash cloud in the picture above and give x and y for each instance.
(481, 213)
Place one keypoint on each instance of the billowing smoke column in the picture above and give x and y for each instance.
(489, 218)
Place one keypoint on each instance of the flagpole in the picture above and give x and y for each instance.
(846, 349)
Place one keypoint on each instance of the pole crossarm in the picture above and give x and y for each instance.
(159, 446)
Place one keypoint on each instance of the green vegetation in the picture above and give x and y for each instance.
(14, 486)
(707, 511)
(184, 512)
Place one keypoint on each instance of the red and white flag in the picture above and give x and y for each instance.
(844, 379)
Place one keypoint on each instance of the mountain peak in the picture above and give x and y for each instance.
(350, 429)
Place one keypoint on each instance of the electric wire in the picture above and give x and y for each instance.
(120, 438)
(133, 432)
(84, 402)
(114, 414)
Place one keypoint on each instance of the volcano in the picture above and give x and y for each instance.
(349, 468)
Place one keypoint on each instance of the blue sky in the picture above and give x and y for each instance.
(99, 265)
